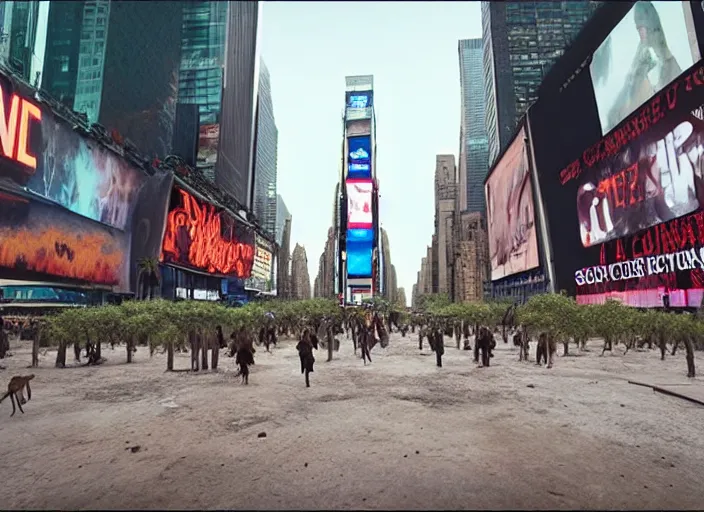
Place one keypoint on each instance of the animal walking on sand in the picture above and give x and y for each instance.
(16, 385)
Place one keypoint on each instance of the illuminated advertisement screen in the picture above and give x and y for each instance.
(359, 157)
(40, 240)
(360, 235)
(359, 204)
(359, 99)
(199, 237)
(49, 158)
(637, 229)
(359, 259)
(650, 47)
(513, 239)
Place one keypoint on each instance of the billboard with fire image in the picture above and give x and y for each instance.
(41, 240)
(199, 236)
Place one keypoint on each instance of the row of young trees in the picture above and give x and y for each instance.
(166, 325)
(561, 318)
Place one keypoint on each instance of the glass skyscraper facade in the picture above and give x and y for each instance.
(282, 214)
(200, 76)
(266, 155)
(521, 41)
(474, 149)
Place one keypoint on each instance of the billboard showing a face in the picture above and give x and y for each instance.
(39, 240)
(650, 47)
(513, 240)
(359, 204)
(199, 237)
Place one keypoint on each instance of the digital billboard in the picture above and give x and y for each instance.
(200, 237)
(650, 47)
(360, 235)
(359, 99)
(513, 239)
(649, 181)
(639, 217)
(359, 157)
(40, 240)
(43, 154)
(359, 204)
(359, 259)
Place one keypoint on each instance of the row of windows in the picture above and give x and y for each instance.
(89, 89)
(91, 75)
(92, 47)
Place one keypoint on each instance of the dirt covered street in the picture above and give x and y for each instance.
(397, 434)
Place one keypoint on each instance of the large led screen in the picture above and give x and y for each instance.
(359, 157)
(359, 204)
(513, 239)
(360, 235)
(40, 240)
(199, 237)
(637, 227)
(66, 168)
(650, 47)
(359, 99)
(359, 259)
(649, 181)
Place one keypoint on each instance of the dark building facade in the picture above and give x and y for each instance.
(234, 166)
(521, 41)
(140, 84)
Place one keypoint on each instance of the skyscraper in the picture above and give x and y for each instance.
(474, 149)
(282, 214)
(521, 41)
(266, 155)
(115, 63)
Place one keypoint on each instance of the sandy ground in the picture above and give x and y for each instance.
(397, 434)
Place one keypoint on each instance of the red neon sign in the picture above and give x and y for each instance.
(14, 129)
(194, 238)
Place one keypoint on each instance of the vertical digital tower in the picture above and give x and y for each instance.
(358, 230)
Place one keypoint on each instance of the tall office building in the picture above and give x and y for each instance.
(521, 41)
(113, 62)
(266, 155)
(282, 214)
(474, 148)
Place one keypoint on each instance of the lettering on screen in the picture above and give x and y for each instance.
(16, 115)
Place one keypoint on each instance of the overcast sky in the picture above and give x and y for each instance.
(411, 49)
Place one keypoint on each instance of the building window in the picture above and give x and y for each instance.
(64, 63)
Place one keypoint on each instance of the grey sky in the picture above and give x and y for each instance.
(411, 49)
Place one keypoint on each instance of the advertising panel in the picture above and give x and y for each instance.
(263, 256)
(513, 239)
(199, 237)
(40, 240)
(359, 128)
(359, 163)
(652, 168)
(360, 235)
(208, 139)
(359, 259)
(650, 47)
(650, 180)
(48, 158)
(359, 204)
(358, 105)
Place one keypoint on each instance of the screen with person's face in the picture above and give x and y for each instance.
(650, 47)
